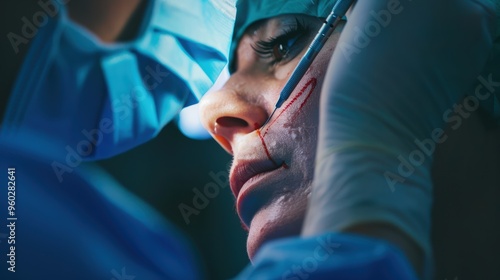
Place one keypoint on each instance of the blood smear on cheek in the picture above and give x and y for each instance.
(266, 149)
(313, 86)
(310, 83)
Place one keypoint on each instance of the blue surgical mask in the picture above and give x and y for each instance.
(101, 99)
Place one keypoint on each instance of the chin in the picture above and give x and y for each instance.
(277, 221)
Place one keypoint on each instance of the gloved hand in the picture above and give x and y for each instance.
(397, 77)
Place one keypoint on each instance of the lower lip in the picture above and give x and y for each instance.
(257, 183)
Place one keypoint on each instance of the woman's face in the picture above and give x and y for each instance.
(273, 166)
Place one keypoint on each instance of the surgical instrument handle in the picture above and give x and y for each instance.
(318, 42)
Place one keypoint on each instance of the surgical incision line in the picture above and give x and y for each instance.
(312, 82)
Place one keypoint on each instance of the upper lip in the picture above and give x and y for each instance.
(244, 171)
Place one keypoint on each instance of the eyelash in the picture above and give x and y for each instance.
(265, 48)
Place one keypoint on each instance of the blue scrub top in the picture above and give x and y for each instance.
(85, 227)
(77, 99)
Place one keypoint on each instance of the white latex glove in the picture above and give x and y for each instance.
(387, 95)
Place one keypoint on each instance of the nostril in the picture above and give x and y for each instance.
(230, 122)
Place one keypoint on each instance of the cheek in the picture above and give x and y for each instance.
(284, 72)
(291, 136)
(294, 107)
(303, 131)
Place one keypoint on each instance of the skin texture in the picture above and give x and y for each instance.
(272, 204)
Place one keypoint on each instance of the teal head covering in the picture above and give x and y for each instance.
(250, 11)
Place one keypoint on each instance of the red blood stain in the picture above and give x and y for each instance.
(266, 149)
(305, 99)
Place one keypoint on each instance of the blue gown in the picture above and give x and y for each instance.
(77, 99)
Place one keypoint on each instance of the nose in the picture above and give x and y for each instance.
(235, 110)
